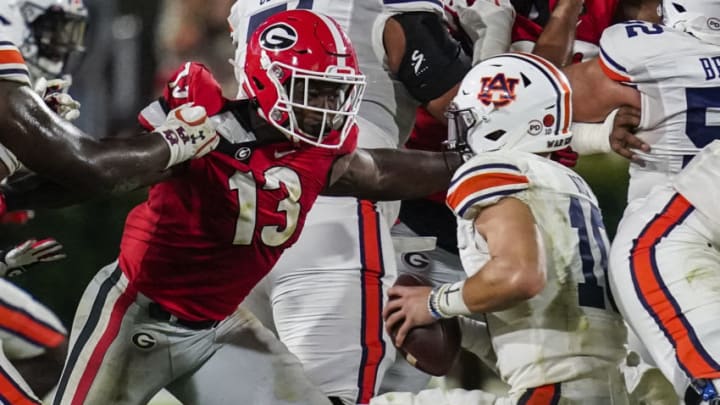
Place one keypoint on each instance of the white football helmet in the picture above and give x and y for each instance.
(48, 32)
(513, 101)
(700, 18)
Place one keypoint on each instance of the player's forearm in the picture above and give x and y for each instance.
(55, 148)
(390, 174)
(501, 284)
(30, 191)
(556, 41)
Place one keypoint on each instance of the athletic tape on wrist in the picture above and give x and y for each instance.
(449, 300)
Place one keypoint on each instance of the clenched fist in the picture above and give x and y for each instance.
(188, 133)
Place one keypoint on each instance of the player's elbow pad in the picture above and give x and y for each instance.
(433, 61)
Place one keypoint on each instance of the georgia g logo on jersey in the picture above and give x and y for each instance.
(498, 90)
(278, 37)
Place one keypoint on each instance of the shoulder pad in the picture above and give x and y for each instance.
(483, 181)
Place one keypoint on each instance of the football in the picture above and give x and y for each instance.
(430, 348)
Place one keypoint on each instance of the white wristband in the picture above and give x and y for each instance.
(592, 138)
(448, 300)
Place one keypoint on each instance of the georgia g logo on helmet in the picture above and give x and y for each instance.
(278, 37)
(498, 90)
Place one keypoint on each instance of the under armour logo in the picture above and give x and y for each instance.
(417, 59)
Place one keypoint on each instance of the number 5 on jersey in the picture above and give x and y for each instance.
(246, 186)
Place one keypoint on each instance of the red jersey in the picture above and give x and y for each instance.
(204, 238)
(596, 16)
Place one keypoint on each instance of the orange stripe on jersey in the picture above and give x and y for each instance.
(564, 84)
(657, 300)
(25, 326)
(11, 56)
(612, 74)
(481, 182)
(11, 393)
(543, 395)
(372, 273)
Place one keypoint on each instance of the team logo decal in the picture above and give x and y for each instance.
(416, 260)
(713, 23)
(243, 153)
(144, 340)
(278, 37)
(534, 127)
(498, 90)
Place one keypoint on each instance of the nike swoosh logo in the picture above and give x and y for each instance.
(279, 154)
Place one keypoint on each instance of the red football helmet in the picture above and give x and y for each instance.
(291, 58)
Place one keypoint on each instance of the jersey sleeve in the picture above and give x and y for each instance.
(626, 47)
(12, 64)
(483, 181)
(191, 83)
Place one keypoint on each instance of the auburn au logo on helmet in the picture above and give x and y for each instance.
(498, 90)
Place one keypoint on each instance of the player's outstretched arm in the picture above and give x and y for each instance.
(54, 148)
(392, 174)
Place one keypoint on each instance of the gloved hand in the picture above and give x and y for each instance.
(16, 260)
(188, 133)
(54, 92)
(566, 157)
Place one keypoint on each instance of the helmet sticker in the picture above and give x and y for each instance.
(278, 37)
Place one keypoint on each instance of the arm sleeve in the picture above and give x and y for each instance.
(12, 64)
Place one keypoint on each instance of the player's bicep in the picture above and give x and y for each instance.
(343, 176)
(508, 227)
(595, 93)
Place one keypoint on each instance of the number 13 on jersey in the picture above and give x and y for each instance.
(246, 188)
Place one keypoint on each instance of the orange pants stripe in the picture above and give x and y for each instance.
(655, 297)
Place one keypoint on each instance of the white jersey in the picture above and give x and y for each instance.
(386, 102)
(571, 328)
(699, 182)
(678, 77)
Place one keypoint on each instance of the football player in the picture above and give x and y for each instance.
(659, 244)
(166, 313)
(350, 365)
(533, 244)
(46, 33)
